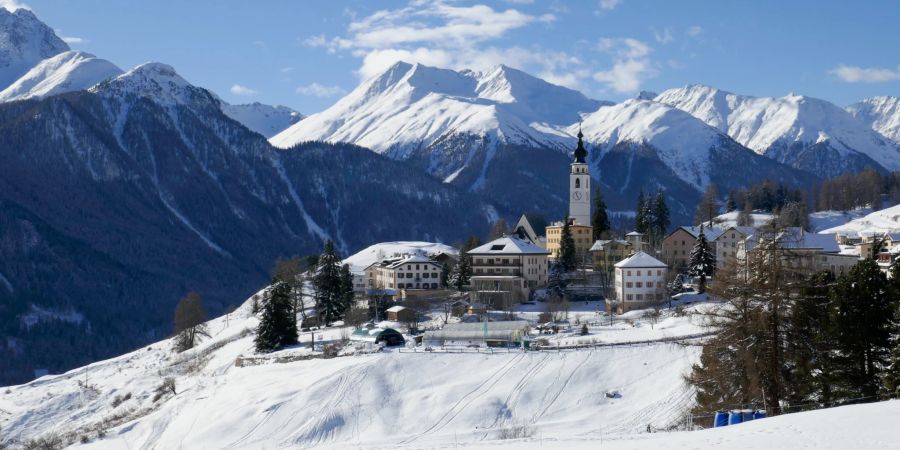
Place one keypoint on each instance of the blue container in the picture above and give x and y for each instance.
(760, 414)
(734, 417)
(721, 419)
(746, 415)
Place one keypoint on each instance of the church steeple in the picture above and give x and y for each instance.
(580, 152)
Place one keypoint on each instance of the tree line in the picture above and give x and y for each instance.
(789, 340)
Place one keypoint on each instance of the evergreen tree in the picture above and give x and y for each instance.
(811, 343)
(703, 260)
(600, 220)
(328, 286)
(865, 322)
(660, 218)
(568, 260)
(445, 275)
(278, 325)
(730, 203)
(462, 273)
(346, 293)
(640, 221)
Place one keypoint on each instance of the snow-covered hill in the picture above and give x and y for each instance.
(804, 132)
(880, 113)
(381, 400)
(66, 72)
(882, 221)
(24, 42)
(266, 120)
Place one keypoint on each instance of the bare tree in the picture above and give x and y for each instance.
(189, 321)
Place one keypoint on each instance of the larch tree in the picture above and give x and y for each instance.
(708, 206)
(189, 322)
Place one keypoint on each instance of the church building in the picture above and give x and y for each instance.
(579, 209)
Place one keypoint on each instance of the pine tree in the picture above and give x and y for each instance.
(189, 321)
(346, 293)
(730, 203)
(568, 260)
(278, 325)
(703, 260)
(600, 220)
(445, 275)
(327, 281)
(660, 218)
(462, 273)
(640, 222)
(865, 322)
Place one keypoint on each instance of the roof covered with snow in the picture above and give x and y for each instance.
(711, 233)
(640, 260)
(599, 245)
(508, 245)
(385, 250)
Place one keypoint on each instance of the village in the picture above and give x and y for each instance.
(542, 284)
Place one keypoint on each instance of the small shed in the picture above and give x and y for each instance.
(400, 314)
(388, 336)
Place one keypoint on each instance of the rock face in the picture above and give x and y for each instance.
(804, 132)
(116, 201)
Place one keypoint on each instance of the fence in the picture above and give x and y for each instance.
(557, 348)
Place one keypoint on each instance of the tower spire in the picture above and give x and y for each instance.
(580, 152)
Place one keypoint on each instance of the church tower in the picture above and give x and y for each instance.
(580, 187)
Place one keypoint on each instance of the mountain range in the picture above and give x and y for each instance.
(120, 191)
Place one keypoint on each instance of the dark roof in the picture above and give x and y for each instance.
(580, 151)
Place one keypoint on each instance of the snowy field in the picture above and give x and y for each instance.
(883, 221)
(394, 399)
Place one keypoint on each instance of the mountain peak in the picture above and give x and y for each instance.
(153, 80)
(65, 72)
(24, 42)
(881, 113)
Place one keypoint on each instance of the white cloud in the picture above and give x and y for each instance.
(631, 64)
(665, 36)
(318, 90)
(694, 31)
(73, 40)
(237, 89)
(286, 69)
(12, 5)
(856, 74)
(609, 5)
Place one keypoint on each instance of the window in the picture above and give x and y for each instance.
(639, 284)
(649, 284)
(577, 183)
(639, 297)
(628, 284)
(638, 273)
(659, 273)
(628, 273)
(628, 296)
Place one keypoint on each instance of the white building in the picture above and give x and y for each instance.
(580, 187)
(507, 269)
(407, 272)
(640, 282)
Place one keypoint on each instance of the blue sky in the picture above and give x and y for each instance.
(306, 54)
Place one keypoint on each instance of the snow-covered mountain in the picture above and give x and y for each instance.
(66, 72)
(412, 108)
(266, 120)
(882, 221)
(880, 113)
(807, 133)
(24, 42)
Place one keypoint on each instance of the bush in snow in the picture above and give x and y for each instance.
(167, 386)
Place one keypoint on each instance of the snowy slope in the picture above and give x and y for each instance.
(880, 113)
(882, 221)
(266, 120)
(24, 42)
(682, 142)
(156, 81)
(377, 252)
(65, 72)
(412, 105)
(389, 399)
(805, 132)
